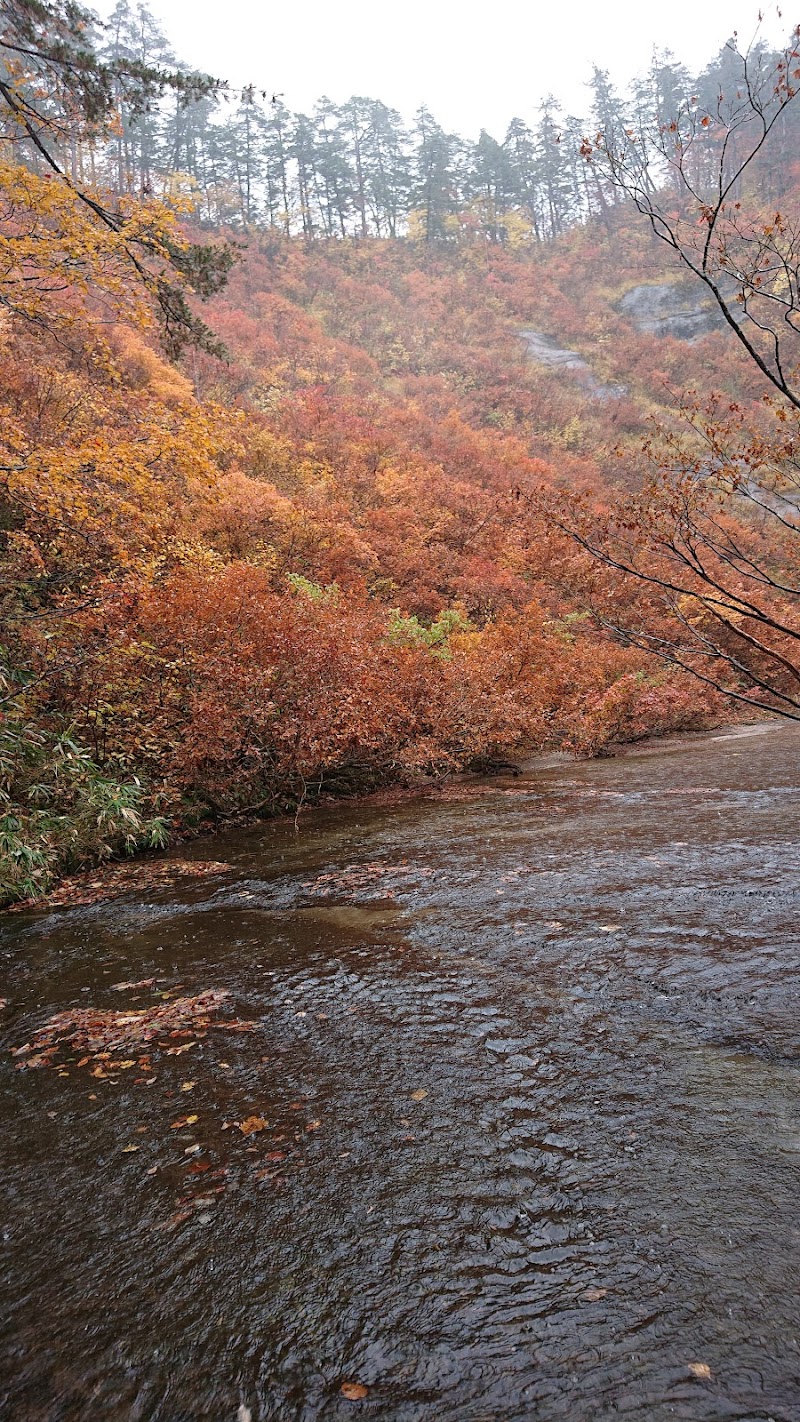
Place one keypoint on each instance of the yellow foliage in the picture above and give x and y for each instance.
(57, 257)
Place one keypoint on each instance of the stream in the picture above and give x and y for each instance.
(523, 1066)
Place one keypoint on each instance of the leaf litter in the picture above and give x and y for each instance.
(96, 886)
(110, 1041)
(99, 1033)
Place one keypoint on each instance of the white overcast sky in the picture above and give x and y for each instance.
(474, 64)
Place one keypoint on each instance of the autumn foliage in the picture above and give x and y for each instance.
(314, 568)
(327, 561)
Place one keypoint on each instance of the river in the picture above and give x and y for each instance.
(524, 1074)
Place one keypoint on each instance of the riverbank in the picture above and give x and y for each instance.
(107, 881)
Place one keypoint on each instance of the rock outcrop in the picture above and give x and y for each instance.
(670, 309)
(544, 350)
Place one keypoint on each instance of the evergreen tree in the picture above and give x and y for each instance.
(433, 191)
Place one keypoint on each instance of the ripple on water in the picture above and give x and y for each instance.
(529, 1071)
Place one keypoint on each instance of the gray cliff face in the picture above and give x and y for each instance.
(545, 351)
(670, 309)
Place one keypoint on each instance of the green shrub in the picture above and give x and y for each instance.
(59, 810)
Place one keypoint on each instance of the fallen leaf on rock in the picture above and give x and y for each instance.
(125, 987)
(188, 1085)
(313, 1125)
(129, 1149)
(592, 1295)
(192, 1150)
(175, 1220)
(100, 1033)
(252, 1124)
(354, 1391)
(700, 1370)
(3, 1003)
(92, 887)
(419, 1094)
(184, 1121)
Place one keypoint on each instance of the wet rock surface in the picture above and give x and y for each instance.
(671, 309)
(546, 351)
(525, 1078)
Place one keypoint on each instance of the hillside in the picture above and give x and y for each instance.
(320, 563)
(333, 534)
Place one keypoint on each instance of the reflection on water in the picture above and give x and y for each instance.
(528, 1063)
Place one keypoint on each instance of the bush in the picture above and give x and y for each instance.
(58, 809)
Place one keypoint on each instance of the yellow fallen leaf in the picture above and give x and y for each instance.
(188, 1085)
(700, 1370)
(419, 1094)
(354, 1391)
(129, 1149)
(252, 1124)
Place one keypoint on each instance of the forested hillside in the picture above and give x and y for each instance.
(307, 543)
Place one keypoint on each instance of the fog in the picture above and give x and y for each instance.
(474, 65)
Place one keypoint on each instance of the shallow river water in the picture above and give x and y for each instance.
(528, 1055)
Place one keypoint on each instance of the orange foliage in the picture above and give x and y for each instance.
(320, 564)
